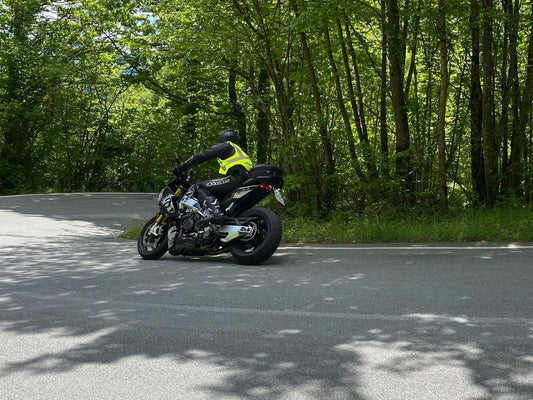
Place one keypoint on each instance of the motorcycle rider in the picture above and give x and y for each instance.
(234, 165)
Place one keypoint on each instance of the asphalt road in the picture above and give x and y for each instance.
(82, 316)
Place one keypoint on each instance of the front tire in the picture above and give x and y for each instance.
(151, 246)
(263, 243)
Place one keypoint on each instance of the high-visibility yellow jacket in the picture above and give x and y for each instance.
(228, 154)
(239, 157)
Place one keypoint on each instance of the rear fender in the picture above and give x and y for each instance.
(244, 198)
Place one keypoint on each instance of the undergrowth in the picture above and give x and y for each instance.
(465, 225)
(500, 224)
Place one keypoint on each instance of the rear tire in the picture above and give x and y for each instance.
(150, 246)
(264, 242)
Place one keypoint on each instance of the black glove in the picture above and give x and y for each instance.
(178, 170)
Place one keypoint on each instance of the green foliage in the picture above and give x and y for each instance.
(499, 224)
(100, 94)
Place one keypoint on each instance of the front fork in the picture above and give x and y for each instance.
(155, 230)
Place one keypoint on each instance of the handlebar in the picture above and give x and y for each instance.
(188, 174)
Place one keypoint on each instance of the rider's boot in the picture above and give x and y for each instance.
(214, 212)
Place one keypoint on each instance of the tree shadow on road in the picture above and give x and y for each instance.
(285, 329)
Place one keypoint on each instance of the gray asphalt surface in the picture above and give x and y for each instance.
(82, 316)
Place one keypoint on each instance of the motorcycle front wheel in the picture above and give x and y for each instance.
(152, 245)
(265, 240)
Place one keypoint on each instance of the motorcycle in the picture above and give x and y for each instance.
(251, 234)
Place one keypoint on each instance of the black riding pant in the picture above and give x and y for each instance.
(219, 187)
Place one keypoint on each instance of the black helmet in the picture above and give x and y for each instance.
(229, 136)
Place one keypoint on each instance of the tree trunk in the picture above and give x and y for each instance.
(265, 51)
(443, 96)
(19, 125)
(490, 142)
(346, 119)
(383, 131)
(502, 126)
(322, 127)
(525, 110)
(517, 148)
(414, 51)
(476, 111)
(396, 57)
(238, 113)
(262, 123)
(356, 96)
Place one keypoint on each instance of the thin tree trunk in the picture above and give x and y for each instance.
(238, 112)
(476, 110)
(328, 187)
(513, 183)
(282, 89)
(346, 119)
(490, 144)
(262, 123)
(383, 131)
(525, 107)
(414, 51)
(321, 120)
(502, 128)
(356, 100)
(443, 97)
(356, 95)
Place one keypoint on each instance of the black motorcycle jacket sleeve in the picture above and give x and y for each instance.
(219, 150)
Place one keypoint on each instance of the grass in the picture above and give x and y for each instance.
(470, 225)
(512, 224)
(132, 233)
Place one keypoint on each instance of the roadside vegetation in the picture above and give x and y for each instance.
(471, 225)
(506, 224)
(374, 110)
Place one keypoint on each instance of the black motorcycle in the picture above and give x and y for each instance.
(183, 227)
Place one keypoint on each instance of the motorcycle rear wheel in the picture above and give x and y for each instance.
(263, 243)
(150, 246)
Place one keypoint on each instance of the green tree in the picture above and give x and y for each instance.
(365, 105)
(26, 78)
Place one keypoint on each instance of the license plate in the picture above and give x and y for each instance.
(279, 197)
